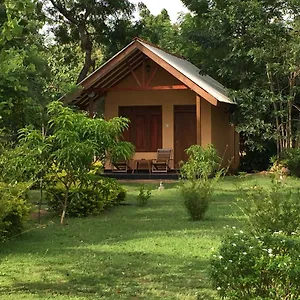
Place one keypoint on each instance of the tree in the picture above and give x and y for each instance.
(66, 153)
(87, 23)
(23, 70)
(157, 29)
(251, 47)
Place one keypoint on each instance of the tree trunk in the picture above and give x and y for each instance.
(87, 47)
(278, 125)
(85, 39)
(65, 204)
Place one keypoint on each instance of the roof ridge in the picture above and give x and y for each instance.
(158, 47)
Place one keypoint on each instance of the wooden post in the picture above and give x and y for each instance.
(198, 118)
(91, 108)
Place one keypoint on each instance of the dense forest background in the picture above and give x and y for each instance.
(252, 47)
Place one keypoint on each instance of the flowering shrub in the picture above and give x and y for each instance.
(272, 209)
(257, 267)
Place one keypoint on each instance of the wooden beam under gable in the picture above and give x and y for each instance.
(141, 88)
(189, 83)
(152, 75)
(133, 74)
(94, 77)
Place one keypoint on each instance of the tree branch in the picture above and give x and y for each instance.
(66, 13)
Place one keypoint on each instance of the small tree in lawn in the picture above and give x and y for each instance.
(72, 142)
(198, 176)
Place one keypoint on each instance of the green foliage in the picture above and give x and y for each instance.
(64, 62)
(198, 177)
(89, 24)
(87, 200)
(256, 160)
(143, 196)
(122, 151)
(291, 158)
(197, 196)
(23, 69)
(66, 154)
(271, 209)
(253, 49)
(257, 267)
(14, 209)
(25, 161)
(157, 29)
(202, 163)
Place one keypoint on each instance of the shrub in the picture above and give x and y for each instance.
(14, 209)
(251, 267)
(198, 176)
(143, 196)
(271, 209)
(291, 159)
(87, 200)
(196, 195)
(202, 163)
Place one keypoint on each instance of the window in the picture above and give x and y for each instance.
(145, 129)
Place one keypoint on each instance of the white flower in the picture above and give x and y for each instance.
(219, 288)
(270, 251)
(230, 260)
(220, 256)
(244, 253)
(234, 244)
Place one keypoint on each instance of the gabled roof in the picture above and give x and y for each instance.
(133, 56)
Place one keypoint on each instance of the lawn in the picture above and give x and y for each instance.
(128, 252)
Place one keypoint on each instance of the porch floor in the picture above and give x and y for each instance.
(142, 175)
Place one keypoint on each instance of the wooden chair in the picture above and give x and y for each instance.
(162, 161)
(121, 166)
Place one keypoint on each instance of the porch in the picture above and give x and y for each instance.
(142, 175)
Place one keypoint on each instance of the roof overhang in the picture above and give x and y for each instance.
(133, 56)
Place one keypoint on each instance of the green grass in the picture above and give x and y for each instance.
(154, 252)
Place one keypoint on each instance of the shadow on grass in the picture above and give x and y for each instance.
(129, 222)
(127, 252)
(121, 275)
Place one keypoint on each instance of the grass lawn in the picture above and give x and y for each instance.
(126, 253)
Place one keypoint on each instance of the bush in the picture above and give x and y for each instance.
(196, 195)
(198, 176)
(87, 200)
(143, 196)
(202, 163)
(14, 209)
(272, 209)
(291, 159)
(250, 267)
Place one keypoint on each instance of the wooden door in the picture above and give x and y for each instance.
(185, 131)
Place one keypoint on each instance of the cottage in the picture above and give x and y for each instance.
(169, 102)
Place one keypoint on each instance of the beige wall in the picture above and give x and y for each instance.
(214, 122)
(224, 136)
